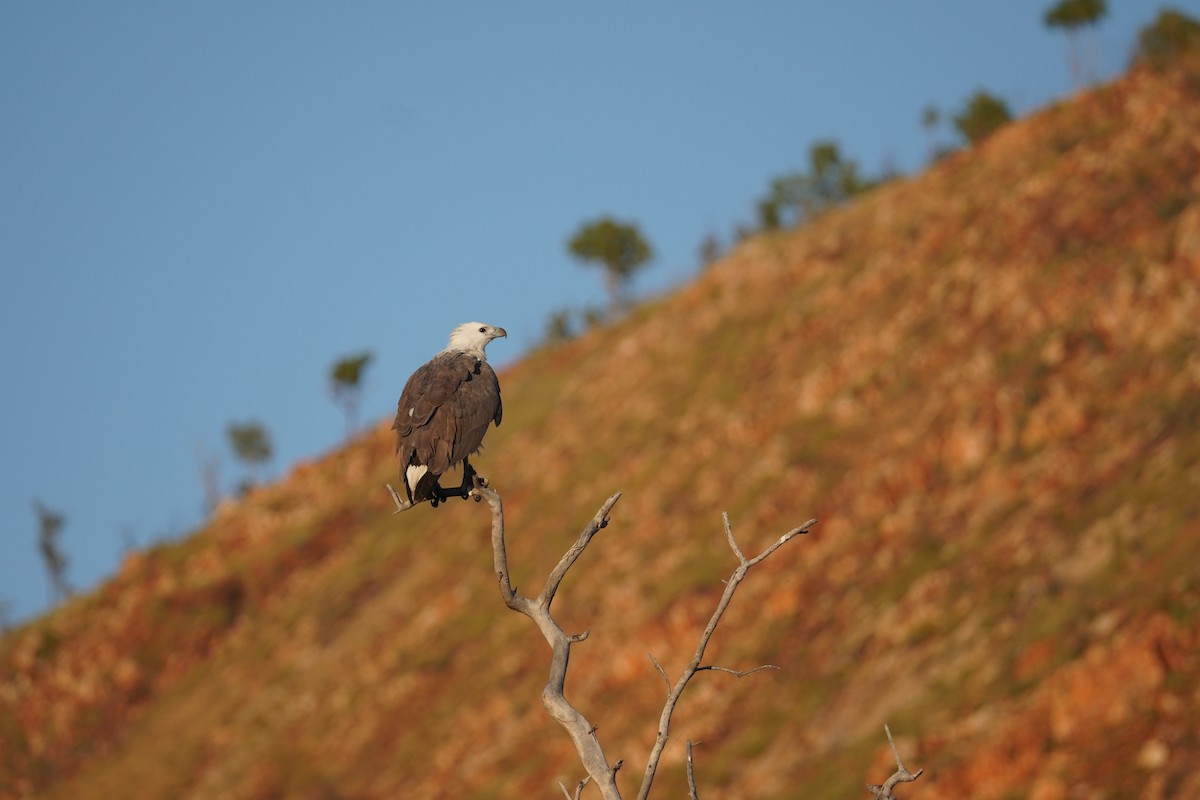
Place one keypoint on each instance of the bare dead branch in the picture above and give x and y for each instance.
(901, 775)
(691, 773)
(737, 551)
(568, 560)
(735, 580)
(401, 504)
(658, 666)
(582, 732)
(578, 788)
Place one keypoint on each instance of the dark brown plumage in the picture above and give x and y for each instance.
(444, 412)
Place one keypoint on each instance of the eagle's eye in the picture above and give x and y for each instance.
(483, 330)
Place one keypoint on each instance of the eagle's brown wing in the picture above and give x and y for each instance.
(477, 403)
(444, 411)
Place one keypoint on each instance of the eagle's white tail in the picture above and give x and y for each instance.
(413, 474)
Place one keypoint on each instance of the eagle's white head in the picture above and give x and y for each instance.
(472, 337)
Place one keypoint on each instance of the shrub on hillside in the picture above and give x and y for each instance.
(1171, 34)
(983, 114)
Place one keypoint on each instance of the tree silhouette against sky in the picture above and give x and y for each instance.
(1074, 16)
(50, 524)
(981, 116)
(251, 444)
(1171, 34)
(345, 384)
(619, 249)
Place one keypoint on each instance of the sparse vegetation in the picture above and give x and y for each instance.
(1074, 17)
(346, 386)
(565, 324)
(50, 525)
(559, 328)
(831, 180)
(1172, 34)
(251, 444)
(710, 250)
(982, 116)
(932, 121)
(616, 247)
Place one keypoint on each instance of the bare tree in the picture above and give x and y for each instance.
(210, 479)
(581, 731)
(50, 524)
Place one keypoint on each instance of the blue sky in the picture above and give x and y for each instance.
(205, 204)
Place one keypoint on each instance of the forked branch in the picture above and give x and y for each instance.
(901, 775)
(694, 666)
(582, 732)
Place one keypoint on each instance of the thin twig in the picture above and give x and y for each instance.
(739, 574)
(737, 551)
(578, 788)
(691, 773)
(568, 560)
(658, 666)
(736, 673)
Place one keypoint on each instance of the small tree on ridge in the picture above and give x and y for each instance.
(345, 384)
(619, 249)
(251, 444)
(982, 116)
(50, 524)
(1072, 16)
(1171, 34)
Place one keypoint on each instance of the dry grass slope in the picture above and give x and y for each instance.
(984, 381)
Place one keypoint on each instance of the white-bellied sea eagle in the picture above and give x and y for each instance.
(443, 413)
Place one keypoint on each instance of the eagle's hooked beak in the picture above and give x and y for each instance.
(499, 333)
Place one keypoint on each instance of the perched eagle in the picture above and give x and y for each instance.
(443, 412)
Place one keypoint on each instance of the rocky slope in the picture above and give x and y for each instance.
(983, 381)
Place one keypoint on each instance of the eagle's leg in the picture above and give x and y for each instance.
(463, 490)
(471, 478)
(471, 481)
(468, 481)
(441, 494)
